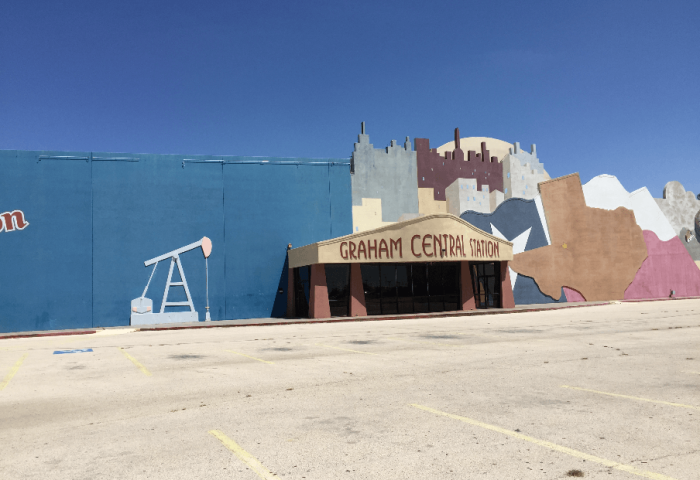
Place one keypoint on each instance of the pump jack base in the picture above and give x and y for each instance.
(167, 317)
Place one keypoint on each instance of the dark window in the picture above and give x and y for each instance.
(486, 278)
(301, 291)
(388, 279)
(392, 288)
(435, 287)
(404, 288)
(338, 283)
(451, 286)
(372, 285)
(421, 300)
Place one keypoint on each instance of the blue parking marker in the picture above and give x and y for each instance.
(79, 350)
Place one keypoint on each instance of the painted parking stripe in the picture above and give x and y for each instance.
(77, 350)
(253, 358)
(12, 372)
(344, 349)
(135, 362)
(246, 457)
(550, 445)
(641, 399)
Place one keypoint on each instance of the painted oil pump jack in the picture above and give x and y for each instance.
(142, 307)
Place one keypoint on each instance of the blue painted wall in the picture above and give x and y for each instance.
(511, 218)
(94, 222)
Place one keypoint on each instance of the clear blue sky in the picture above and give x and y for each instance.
(600, 87)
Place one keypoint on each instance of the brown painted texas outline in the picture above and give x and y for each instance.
(596, 252)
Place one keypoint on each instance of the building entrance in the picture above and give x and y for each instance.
(487, 284)
(398, 288)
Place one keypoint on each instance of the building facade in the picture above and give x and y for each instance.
(92, 239)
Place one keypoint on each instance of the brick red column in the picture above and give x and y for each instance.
(467, 294)
(507, 300)
(357, 292)
(291, 305)
(319, 306)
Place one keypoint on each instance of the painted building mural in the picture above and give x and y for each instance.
(77, 228)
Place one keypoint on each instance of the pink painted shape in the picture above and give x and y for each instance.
(206, 247)
(668, 267)
(573, 295)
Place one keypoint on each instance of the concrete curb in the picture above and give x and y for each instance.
(302, 321)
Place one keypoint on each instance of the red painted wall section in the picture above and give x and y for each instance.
(668, 267)
(468, 301)
(573, 295)
(438, 172)
(507, 300)
(319, 306)
(357, 292)
(291, 306)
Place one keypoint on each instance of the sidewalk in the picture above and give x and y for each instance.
(254, 322)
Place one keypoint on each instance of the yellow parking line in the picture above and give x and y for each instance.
(694, 373)
(346, 349)
(246, 457)
(633, 398)
(244, 355)
(135, 362)
(13, 371)
(550, 445)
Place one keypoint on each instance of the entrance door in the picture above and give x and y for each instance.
(392, 288)
(486, 278)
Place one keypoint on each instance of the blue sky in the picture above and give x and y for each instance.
(600, 87)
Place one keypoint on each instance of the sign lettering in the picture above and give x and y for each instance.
(14, 220)
(429, 245)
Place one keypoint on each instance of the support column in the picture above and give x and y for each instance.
(507, 300)
(467, 294)
(357, 292)
(319, 306)
(291, 298)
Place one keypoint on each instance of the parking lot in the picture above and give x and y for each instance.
(605, 391)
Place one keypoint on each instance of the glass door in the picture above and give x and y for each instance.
(486, 278)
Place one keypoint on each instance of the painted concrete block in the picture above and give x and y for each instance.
(497, 148)
(389, 174)
(427, 204)
(440, 171)
(462, 195)
(368, 215)
(690, 242)
(606, 192)
(518, 221)
(580, 255)
(496, 197)
(522, 172)
(679, 206)
(166, 317)
(668, 267)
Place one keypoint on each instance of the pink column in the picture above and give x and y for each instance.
(357, 292)
(467, 295)
(319, 307)
(507, 300)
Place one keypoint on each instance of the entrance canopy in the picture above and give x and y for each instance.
(432, 238)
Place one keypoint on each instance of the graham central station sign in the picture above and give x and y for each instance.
(433, 238)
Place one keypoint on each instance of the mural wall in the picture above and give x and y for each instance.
(399, 183)
(77, 227)
(93, 219)
(566, 235)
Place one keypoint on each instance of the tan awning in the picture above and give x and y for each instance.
(432, 238)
